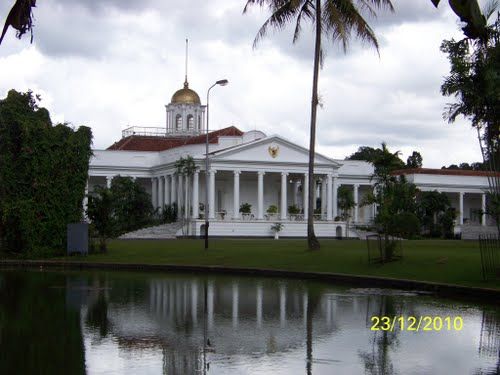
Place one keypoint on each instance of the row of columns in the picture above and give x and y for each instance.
(461, 208)
(161, 196)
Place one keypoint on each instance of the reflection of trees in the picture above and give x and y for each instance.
(97, 315)
(378, 361)
(313, 298)
(489, 340)
(43, 334)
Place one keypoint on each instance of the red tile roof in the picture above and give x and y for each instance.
(148, 143)
(445, 172)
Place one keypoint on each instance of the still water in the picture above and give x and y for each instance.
(73, 322)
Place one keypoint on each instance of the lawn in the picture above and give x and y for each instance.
(451, 262)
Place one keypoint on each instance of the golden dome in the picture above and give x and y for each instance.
(185, 96)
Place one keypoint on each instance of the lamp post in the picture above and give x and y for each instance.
(221, 82)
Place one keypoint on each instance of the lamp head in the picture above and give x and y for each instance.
(222, 82)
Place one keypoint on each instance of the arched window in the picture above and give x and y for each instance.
(190, 122)
(178, 123)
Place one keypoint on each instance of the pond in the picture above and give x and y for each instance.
(75, 322)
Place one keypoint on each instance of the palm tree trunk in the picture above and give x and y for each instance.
(312, 241)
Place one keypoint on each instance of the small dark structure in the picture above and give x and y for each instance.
(78, 238)
(489, 246)
(383, 249)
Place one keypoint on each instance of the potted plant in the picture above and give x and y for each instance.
(276, 228)
(272, 212)
(293, 210)
(245, 210)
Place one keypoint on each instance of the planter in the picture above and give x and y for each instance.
(276, 235)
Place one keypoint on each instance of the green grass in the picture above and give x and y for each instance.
(451, 262)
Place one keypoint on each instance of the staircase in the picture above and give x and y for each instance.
(160, 232)
(472, 232)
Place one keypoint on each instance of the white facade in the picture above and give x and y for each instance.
(262, 171)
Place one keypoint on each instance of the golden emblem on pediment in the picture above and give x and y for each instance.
(273, 150)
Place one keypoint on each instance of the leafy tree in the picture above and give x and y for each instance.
(365, 153)
(474, 81)
(345, 201)
(337, 19)
(380, 156)
(132, 206)
(385, 163)
(432, 206)
(414, 160)
(43, 174)
(100, 211)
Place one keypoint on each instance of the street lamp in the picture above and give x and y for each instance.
(221, 82)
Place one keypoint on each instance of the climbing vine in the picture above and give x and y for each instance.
(43, 173)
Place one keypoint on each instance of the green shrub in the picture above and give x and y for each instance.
(405, 224)
(43, 174)
(272, 209)
(245, 208)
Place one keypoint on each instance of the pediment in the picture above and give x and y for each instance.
(272, 149)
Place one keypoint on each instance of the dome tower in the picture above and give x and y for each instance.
(185, 114)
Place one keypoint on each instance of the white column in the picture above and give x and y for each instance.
(160, 192)
(172, 189)
(483, 209)
(305, 190)
(108, 181)
(211, 195)
(166, 190)
(284, 185)
(335, 212)
(154, 193)
(461, 207)
(196, 192)
(260, 195)
(356, 201)
(236, 195)
(329, 197)
(323, 197)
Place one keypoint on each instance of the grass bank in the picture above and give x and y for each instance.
(450, 262)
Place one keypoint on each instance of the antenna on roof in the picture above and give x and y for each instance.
(186, 65)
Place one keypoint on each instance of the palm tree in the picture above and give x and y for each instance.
(338, 20)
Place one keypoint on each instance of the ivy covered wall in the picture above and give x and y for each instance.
(43, 173)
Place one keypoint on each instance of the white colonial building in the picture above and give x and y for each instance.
(258, 169)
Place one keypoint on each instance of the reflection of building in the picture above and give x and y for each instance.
(263, 171)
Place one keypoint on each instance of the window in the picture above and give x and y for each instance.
(178, 123)
(190, 120)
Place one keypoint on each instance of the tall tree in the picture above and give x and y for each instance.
(337, 19)
(414, 160)
(474, 81)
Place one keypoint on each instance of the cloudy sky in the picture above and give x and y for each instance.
(110, 64)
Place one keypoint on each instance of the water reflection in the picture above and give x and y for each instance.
(74, 322)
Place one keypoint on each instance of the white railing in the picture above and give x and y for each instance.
(157, 132)
(144, 131)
